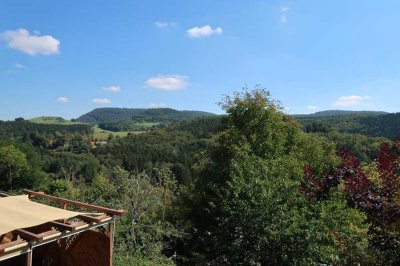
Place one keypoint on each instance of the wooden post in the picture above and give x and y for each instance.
(111, 239)
(29, 258)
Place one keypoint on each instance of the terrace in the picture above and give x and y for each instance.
(39, 229)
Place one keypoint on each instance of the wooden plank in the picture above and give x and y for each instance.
(12, 245)
(79, 225)
(94, 219)
(75, 203)
(50, 234)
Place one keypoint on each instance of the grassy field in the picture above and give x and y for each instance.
(53, 120)
(101, 134)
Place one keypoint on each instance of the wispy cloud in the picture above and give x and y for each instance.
(158, 105)
(31, 44)
(160, 24)
(312, 107)
(168, 83)
(203, 31)
(283, 17)
(101, 100)
(352, 100)
(62, 99)
(14, 70)
(113, 89)
(164, 24)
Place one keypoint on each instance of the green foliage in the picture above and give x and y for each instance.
(127, 125)
(13, 167)
(17, 129)
(363, 147)
(245, 207)
(373, 124)
(203, 127)
(153, 149)
(53, 120)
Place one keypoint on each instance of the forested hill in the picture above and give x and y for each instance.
(139, 115)
(341, 113)
(374, 124)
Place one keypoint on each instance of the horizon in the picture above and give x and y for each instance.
(77, 56)
(110, 107)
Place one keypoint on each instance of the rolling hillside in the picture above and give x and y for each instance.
(139, 115)
(374, 124)
(341, 113)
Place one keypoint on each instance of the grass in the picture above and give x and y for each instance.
(101, 134)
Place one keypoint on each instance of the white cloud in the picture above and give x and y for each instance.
(19, 66)
(204, 31)
(62, 99)
(114, 89)
(285, 9)
(168, 83)
(161, 24)
(158, 105)
(101, 100)
(283, 19)
(351, 100)
(312, 107)
(31, 44)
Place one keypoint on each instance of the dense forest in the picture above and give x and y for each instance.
(103, 115)
(251, 187)
(374, 124)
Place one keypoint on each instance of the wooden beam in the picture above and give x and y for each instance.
(29, 258)
(69, 227)
(62, 226)
(94, 219)
(111, 236)
(75, 203)
(29, 235)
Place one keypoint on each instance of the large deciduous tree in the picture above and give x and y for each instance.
(13, 164)
(245, 206)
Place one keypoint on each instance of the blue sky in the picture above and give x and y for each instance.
(65, 58)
